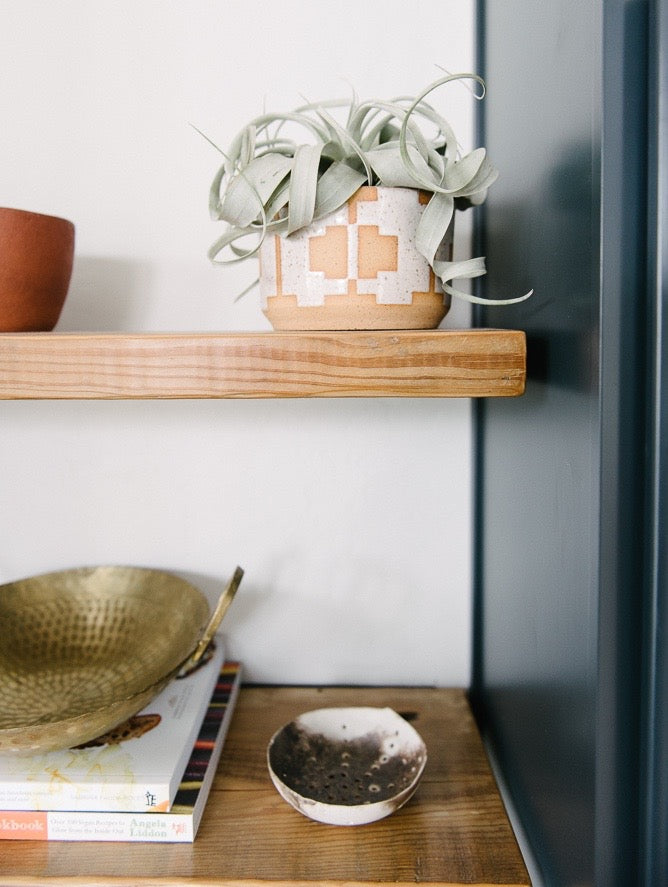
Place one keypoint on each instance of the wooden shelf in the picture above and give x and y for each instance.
(453, 831)
(435, 363)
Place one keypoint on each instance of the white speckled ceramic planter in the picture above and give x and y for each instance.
(356, 268)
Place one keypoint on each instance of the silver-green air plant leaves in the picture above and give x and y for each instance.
(271, 182)
(301, 193)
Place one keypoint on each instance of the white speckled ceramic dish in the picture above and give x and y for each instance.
(347, 766)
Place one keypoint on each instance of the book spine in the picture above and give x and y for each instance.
(59, 825)
(111, 796)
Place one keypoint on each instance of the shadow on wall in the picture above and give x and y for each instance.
(106, 295)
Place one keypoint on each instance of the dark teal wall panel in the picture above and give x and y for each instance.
(561, 473)
(655, 722)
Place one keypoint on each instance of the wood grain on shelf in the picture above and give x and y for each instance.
(433, 363)
(453, 831)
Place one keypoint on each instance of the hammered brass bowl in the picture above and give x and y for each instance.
(82, 650)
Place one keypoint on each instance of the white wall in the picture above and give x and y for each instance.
(351, 517)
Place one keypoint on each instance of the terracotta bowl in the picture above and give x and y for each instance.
(36, 256)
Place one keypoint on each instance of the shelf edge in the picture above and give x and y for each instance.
(107, 366)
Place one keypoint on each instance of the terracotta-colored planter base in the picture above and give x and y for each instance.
(359, 312)
(36, 257)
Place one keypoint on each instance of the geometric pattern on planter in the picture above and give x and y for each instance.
(356, 268)
(365, 248)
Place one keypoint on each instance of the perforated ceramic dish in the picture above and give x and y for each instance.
(347, 766)
(82, 650)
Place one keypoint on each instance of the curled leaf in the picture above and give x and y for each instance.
(335, 187)
(390, 169)
(249, 190)
(303, 186)
(433, 225)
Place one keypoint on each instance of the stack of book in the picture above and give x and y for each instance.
(148, 780)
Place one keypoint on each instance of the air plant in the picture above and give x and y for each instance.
(271, 183)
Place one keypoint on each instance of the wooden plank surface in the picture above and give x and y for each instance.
(453, 831)
(433, 363)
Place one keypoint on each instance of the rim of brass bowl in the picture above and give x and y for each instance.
(82, 650)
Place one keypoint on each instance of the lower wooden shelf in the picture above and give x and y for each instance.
(453, 831)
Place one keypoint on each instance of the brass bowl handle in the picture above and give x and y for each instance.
(224, 602)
